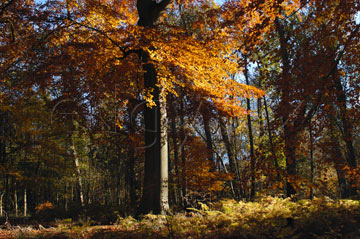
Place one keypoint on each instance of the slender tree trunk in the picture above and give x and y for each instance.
(176, 158)
(237, 168)
(260, 115)
(347, 131)
(78, 174)
(285, 108)
(339, 165)
(183, 158)
(337, 156)
(6, 193)
(226, 171)
(227, 143)
(276, 163)
(312, 166)
(16, 201)
(66, 197)
(209, 142)
(1, 205)
(164, 176)
(251, 139)
(230, 154)
(3, 156)
(130, 169)
(25, 203)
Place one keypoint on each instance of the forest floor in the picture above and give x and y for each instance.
(267, 218)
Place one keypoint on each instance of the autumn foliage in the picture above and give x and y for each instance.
(133, 105)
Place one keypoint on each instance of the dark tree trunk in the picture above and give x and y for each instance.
(227, 143)
(178, 193)
(230, 154)
(312, 166)
(151, 188)
(339, 165)
(149, 12)
(276, 163)
(3, 156)
(183, 158)
(130, 176)
(285, 109)
(209, 141)
(260, 115)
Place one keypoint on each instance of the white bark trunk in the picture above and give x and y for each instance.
(78, 172)
(164, 175)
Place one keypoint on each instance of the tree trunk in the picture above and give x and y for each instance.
(183, 158)
(260, 115)
(164, 175)
(1, 205)
(209, 142)
(251, 139)
(25, 203)
(16, 201)
(151, 187)
(178, 192)
(237, 186)
(149, 11)
(276, 163)
(311, 162)
(230, 154)
(130, 169)
(3, 156)
(336, 154)
(347, 131)
(285, 108)
(339, 165)
(78, 174)
(6, 193)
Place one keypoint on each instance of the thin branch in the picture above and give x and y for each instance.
(121, 48)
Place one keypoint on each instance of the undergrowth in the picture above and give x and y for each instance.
(268, 218)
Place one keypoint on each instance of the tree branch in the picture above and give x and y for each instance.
(4, 6)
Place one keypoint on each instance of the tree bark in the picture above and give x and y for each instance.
(251, 139)
(179, 196)
(16, 201)
(312, 166)
(164, 174)
(1, 205)
(347, 131)
(151, 187)
(230, 154)
(276, 163)
(130, 169)
(149, 11)
(209, 142)
(183, 158)
(78, 174)
(237, 186)
(25, 203)
(285, 108)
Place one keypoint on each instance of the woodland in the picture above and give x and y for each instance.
(179, 119)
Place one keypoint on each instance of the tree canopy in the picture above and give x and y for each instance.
(152, 106)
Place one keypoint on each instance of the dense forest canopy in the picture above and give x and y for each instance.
(154, 106)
